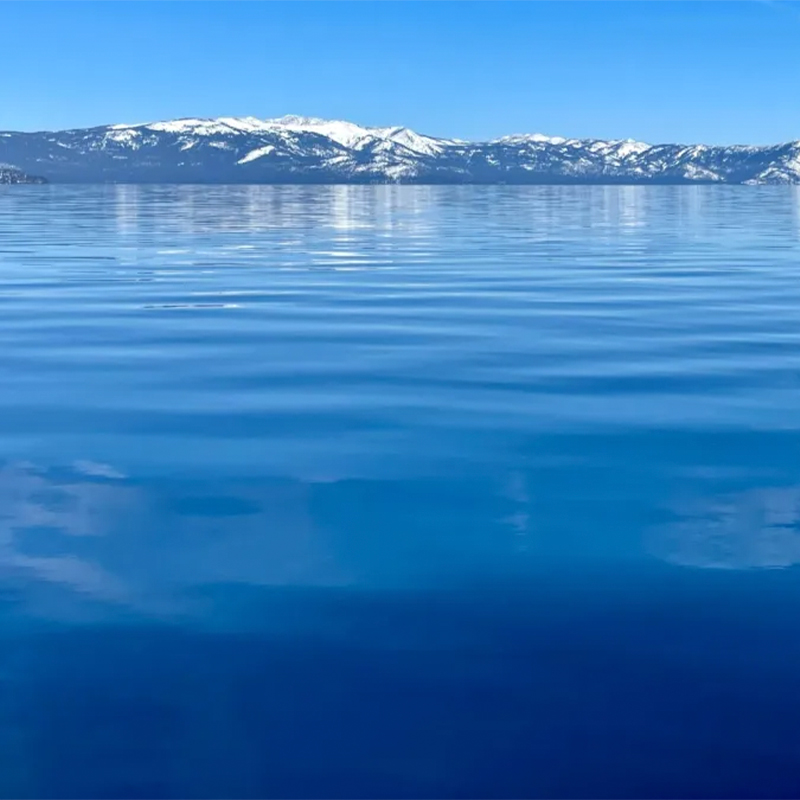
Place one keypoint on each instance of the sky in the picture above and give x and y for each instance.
(714, 71)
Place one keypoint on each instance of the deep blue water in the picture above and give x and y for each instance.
(408, 492)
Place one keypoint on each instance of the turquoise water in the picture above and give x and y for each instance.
(399, 491)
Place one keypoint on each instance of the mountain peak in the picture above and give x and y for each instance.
(295, 120)
(519, 138)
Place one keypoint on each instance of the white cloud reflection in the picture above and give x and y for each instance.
(90, 531)
(756, 528)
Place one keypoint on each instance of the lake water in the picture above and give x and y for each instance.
(399, 491)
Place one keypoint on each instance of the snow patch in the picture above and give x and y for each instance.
(259, 152)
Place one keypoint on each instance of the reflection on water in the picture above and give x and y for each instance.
(399, 491)
(92, 535)
(759, 527)
(40, 514)
(89, 530)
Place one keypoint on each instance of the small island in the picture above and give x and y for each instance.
(9, 174)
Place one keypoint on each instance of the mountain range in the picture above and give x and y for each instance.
(310, 150)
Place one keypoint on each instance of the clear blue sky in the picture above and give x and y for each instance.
(711, 71)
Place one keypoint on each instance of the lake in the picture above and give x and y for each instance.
(399, 491)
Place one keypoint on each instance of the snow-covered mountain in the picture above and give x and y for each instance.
(310, 150)
(9, 174)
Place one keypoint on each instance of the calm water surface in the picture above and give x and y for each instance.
(355, 491)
